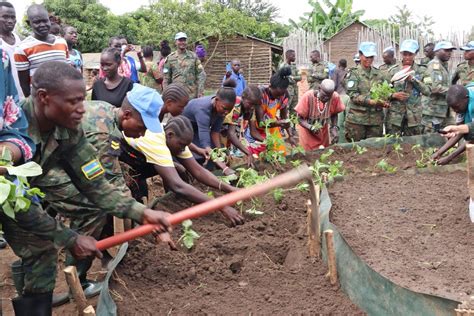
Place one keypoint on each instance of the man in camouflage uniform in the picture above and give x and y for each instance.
(436, 113)
(365, 116)
(183, 66)
(429, 54)
(404, 116)
(319, 70)
(295, 77)
(389, 59)
(55, 111)
(464, 73)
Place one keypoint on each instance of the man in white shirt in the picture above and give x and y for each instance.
(9, 39)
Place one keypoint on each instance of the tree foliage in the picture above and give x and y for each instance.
(162, 19)
(330, 21)
(405, 18)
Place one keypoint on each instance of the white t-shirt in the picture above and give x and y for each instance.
(10, 49)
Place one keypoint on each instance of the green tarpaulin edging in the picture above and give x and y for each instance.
(372, 292)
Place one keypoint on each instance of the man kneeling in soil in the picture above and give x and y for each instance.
(75, 178)
(461, 100)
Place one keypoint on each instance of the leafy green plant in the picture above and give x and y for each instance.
(278, 195)
(316, 126)
(294, 119)
(381, 92)
(297, 150)
(385, 166)
(272, 143)
(295, 163)
(16, 195)
(425, 157)
(397, 147)
(247, 178)
(228, 179)
(359, 149)
(210, 194)
(302, 187)
(324, 171)
(218, 154)
(189, 235)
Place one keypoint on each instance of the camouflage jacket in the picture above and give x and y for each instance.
(187, 70)
(436, 79)
(359, 81)
(295, 77)
(385, 67)
(411, 108)
(319, 72)
(70, 151)
(424, 61)
(464, 74)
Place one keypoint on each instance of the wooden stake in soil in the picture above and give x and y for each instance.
(119, 227)
(313, 221)
(329, 234)
(76, 289)
(89, 311)
(470, 177)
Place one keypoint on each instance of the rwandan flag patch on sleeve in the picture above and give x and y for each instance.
(92, 169)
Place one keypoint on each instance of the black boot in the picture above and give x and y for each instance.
(33, 305)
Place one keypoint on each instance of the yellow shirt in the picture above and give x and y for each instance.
(153, 146)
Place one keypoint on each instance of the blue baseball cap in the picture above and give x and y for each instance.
(148, 103)
(443, 45)
(410, 46)
(180, 35)
(368, 49)
(469, 46)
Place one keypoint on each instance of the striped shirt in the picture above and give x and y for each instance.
(153, 146)
(31, 53)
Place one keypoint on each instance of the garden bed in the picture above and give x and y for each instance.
(412, 228)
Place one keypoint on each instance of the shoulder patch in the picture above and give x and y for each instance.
(92, 169)
(350, 83)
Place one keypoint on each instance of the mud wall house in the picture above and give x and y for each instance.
(344, 44)
(255, 56)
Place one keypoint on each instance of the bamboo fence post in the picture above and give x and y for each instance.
(76, 289)
(89, 311)
(331, 253)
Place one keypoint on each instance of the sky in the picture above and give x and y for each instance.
(456, 16)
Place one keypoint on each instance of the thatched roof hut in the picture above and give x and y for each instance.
(254, 54)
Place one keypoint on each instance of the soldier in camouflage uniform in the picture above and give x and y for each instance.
(464, 73)
(295, 77)
(319, 70)
(436, 113)
(184, 67)
(404, 116)
(55, 111)
(365, 116)
(389, 59)
(429, 54)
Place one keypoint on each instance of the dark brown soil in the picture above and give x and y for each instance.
(413, 229)
(261, 267)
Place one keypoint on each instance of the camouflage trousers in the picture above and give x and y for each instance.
(341, 118)
(404, 129)
(357, 132)
(38, 256)
(292, 102)
(432, 124)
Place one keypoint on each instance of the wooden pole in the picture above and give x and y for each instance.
(89, 311)
(329, 234)
(470, 168)
(314, 227)
(76, 289)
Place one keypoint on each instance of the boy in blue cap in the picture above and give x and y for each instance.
(365, 116)
(464, 73)
(436, 114)
(404, 115)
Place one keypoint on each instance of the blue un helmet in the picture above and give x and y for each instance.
(410, 46)
(469, 46)
(368, 49)
(443, 45)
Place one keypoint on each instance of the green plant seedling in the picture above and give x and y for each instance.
(228, 179)
(210, 194)
(297, 150)
(189, 235)
(218, 154)
(397, 147)
(302, 187)
(381, 92)
(385, 166)
(295, 163)
(278, 195)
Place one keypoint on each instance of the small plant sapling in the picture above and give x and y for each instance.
(228, 179)
(295, 163)
(189, 235)
(359, 149)
(297, 150)
(381, 92)
(218, 154)
(397, 147)
(385, 166)
(278, 195)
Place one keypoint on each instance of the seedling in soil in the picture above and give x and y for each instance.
(228, 179)
(303, 187)
(295, 163)
(272, 142)
(249, 177)
(210, 194)
(325, 171)
(359, 149)
(425, 159)
(278, 195)
(385, 166)
(397, 147)
(189, 235)
(297, 150)
(381, 92)
(218, 154)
